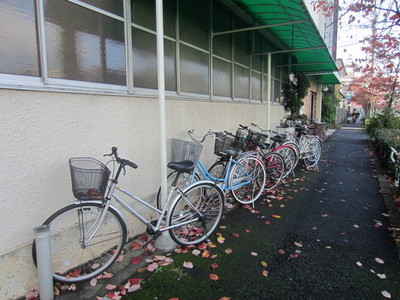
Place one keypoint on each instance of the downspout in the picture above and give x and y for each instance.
(161, 96)
(269, 68)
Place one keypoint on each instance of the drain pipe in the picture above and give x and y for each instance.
(43, 259)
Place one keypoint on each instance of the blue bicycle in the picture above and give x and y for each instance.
(242, 175)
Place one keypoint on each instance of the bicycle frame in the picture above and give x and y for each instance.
(158, 228)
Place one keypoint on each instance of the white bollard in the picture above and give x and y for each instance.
(165, 243)
(43, 259)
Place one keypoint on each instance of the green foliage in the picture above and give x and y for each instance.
(328, 110)
(386, 119)
(294, 92)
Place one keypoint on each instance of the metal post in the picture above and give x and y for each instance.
(163, 242)
(43, 259)
(269, 77)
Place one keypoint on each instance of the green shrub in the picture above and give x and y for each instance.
(386, 119)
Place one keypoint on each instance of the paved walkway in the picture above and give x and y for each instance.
(323, 236)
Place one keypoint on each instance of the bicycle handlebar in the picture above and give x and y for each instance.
(209, 132)
(122, 161)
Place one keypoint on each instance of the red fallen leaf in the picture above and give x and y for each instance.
(247, 230)
(281, 251)
(134, 281)
(110, 286)
(173, 299)
(135, 246)
(264, 273)
(213, 277)
(225, 298)
(143, 237)
(214, 266)
(202, 246)
(267, 222)
(213, 256)
(294, 255)
(235, 234)
(136, 259)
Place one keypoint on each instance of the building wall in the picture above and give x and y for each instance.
(41, 130)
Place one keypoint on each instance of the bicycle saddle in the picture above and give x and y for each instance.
(279, 138)
(185, 166)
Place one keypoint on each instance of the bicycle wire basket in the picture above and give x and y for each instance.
(185, 150)
(222, 143)
(258, 138)
(89, 178)
(239, 141)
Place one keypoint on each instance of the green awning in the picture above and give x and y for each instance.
(289, 25)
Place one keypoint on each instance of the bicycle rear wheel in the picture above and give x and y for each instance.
(274, 169)
(247, 179)
(73, 260)
(196, 213)
(312, 153)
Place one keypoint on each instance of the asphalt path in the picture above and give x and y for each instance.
(324, 235)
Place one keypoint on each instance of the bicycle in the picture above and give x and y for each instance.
(88, 235)
(395, 158)
(308, 146)
(244, 177)
(286, 150)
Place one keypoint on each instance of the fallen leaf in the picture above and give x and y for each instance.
(136, 259)
(133, 288)
(196, 252)
(228, 251)
(379, 261)
(359, 264)
(298, 244)
(135, 246)
(324, 215)
(254, 253)
(205, 254)
(381, 276)
(213, 256)
(93, 282)
(386, 294)
(225, 298)
(166, 262)
(214, 266)
(356, 226)
(213, 277)
(235, 234)
(276, 216)
(135, 281)
(188, 264)
(221, 239)
(281, 251)
(264, 264)
(264, 273)
(110, 287)
(152, 267)
(202, 246)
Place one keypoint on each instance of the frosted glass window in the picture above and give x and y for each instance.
(144, 14)
(241, 82)
(113, 6)
(194, 70)
(83, 44)
(222, 78)
(194, 21)
(256, 86)
(18, 45)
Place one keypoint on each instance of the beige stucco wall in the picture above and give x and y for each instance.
(41, 130)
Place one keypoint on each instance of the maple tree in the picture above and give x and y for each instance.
(378, 85)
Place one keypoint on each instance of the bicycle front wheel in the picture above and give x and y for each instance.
(312, 154)
(290, 157)
(196, 213)
(74, 259)
(247, 179)
(274, 168)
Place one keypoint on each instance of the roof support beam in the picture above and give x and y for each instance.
(288, 50)
(304, 64)
(257, 27)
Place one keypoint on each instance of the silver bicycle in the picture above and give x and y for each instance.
(88, 235)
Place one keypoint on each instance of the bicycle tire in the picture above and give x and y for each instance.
(248, 169)
(296, 148)
(290, 157)
(312, 154)
(274, 169)
(185, 180)
(217, 169)
(72, 263)
(204, 198)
